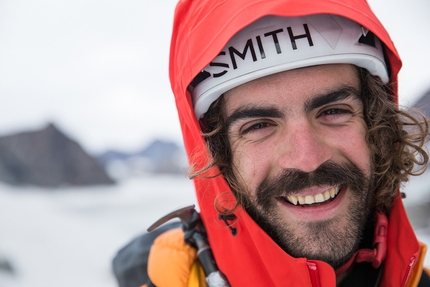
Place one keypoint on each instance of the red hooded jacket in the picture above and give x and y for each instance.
(201, 30)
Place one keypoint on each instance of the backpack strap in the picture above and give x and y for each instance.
(425, 278)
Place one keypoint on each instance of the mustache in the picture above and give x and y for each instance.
(290, 181)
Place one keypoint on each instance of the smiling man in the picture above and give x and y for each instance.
(290, 120)
(298, 146)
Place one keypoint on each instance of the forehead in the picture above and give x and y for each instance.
(292, 87)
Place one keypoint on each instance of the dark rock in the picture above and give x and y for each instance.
(6, 266)
(159, 150)
(47, 158)
(112, 155)
(161, 157)
(164, 156)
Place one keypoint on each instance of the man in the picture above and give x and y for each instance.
(303, 150)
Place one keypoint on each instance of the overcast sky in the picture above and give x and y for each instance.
(99, 69)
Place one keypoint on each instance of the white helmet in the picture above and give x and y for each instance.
(274, 44)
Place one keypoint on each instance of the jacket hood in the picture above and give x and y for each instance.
(201, 30)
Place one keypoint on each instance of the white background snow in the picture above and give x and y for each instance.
(69, 237)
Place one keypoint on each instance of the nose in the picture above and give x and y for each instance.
(304, 147)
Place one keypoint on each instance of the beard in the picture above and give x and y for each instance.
(333, 240)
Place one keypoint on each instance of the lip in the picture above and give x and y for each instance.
(316, 212)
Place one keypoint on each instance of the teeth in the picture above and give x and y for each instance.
(293, 199)
(301, 199)
(327, 195)
(317, 198)
(309, 199)
(333, 192)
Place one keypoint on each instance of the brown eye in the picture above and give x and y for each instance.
(335, 112)
(335, 115)
(255, 127)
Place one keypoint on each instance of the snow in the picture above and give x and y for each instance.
(69, 236)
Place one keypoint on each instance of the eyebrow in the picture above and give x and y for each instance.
(331, 97)
(272, 112)
(252, 112)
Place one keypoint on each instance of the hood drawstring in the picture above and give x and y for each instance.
(376, 255)
(226, 219)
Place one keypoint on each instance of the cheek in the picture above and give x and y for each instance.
(252, 165)
(352, 145)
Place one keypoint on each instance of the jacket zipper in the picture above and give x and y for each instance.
(408, 270)
(313, 273)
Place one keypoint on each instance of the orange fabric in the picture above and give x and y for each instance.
(197, 276)
(200, 31)
(170, 260)
(416, 272)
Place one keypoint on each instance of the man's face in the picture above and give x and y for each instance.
(299, 150)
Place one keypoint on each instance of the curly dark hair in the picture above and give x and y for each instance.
(396, 138)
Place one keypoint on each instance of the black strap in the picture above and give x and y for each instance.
(425, 280)
(362, 274)
(130, 263)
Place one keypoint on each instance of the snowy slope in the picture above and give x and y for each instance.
(68, 238)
